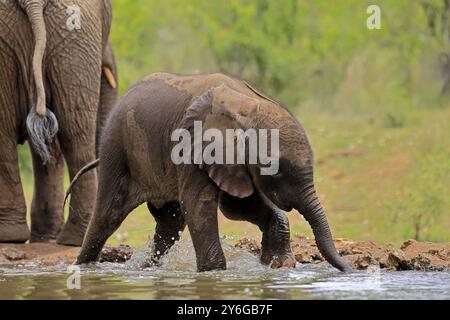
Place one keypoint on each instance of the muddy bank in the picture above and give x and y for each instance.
(412, 255)
(50, 254)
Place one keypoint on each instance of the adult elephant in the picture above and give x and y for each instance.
(52, 53)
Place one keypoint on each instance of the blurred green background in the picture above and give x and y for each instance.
(373, 102)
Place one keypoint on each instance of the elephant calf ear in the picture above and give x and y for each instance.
(233, 179)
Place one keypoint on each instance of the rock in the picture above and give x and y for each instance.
(362, 254)
(119, 254)
(13, 254)
(393, 261)
(359, 254)
(407, 243)
(250, 245)
(426, 256)
(388, 257)
(363, 262)
(305, 250)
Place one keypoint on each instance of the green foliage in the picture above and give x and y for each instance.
(306, 53)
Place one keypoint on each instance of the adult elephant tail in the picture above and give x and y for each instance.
(42, 125)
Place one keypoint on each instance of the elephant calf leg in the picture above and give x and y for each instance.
(276, 250)
(114, 202)
(199, 205)
(276, 245)
(170, 224)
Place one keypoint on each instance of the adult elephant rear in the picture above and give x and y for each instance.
(51, 51)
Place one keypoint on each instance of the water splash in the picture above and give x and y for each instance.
(181, 257)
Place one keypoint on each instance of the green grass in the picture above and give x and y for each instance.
(375, 182)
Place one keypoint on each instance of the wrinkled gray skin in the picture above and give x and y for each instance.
(50, 92)
(108, 91)
(135, 166)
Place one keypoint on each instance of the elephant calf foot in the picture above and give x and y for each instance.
(220, 265)
(14, 232)
(276, 243)
(279, 261)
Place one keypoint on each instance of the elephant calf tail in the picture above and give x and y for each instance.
(92, 165)
(42, 125)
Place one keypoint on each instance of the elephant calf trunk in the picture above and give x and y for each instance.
(313, 212)
(42, 124)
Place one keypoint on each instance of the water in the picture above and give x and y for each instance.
(245, 278)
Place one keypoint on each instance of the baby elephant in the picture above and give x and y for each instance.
(153, 151)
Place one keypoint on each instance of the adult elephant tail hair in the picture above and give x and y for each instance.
(41, 131)
(92, 165)
(42, 125)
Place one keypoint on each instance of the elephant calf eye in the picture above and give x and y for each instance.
(278, 175)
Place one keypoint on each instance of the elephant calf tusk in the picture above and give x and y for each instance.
(109, 77)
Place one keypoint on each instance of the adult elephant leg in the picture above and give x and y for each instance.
(78, 144)
(170, 223)
(78, 152)
(13, 225)
(13, 210)
(76, 109)
(47, 216)
(73, 69)
(199, 201)
(276, 249)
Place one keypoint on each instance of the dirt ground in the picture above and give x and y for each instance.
(50, 254)
(412, 255)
